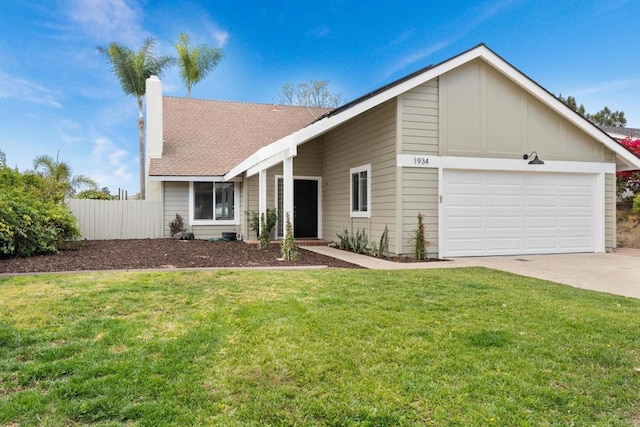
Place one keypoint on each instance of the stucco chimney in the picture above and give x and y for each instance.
(154, 133)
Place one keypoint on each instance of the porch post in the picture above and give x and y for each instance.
(262, 196)
(287, 171)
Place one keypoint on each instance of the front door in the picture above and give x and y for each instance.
(305, 208)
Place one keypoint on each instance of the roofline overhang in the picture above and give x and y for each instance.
(189, 178)
(265, 155)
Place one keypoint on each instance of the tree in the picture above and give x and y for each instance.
(571, 102)
(3, 159)
(59, 177)
(132, 70)
(195, 62)
(315, 93)
(604, 117)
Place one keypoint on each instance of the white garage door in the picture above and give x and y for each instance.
(513, 213)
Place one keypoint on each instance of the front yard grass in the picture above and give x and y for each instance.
(324, 347)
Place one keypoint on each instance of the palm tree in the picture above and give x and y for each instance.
(59, 175)
(195, 62)
(132, 70)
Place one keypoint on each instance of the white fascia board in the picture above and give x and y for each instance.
(559, 107)
(266, 164)
(185, 178)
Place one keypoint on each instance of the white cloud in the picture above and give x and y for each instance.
(20, 88)
(108, 20)
(319, 32)
(610, 86)
(465, 25)
(220, 35)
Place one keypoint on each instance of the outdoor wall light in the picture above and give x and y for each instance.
(535, 161)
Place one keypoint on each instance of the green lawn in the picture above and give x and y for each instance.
(323, 347)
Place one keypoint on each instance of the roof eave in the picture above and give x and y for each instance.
(342, 114)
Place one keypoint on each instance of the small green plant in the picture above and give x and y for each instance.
(636, 203)
(419, 241)
(253, 218)
(359, 242)
(263, 237)
(383, 247)
(176, 225)
(344, 241)
(288, 248)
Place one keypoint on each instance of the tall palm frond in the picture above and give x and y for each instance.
(195, 62)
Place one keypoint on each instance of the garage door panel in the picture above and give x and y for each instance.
(504, 200)
(504, 223)
(510, 213)
(541, 201)
(548, 222)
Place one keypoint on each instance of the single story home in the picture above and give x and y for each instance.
(495, 163)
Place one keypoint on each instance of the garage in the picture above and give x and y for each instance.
(517, 213)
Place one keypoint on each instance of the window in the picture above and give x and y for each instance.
(361, 191)
(213, 203)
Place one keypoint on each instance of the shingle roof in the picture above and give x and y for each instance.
(208, 138)
(611, 130)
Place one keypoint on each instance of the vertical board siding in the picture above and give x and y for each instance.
(368, 138)
(420, 135)
(610, 232)
(118, 219)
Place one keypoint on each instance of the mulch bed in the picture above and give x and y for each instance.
(164, 254)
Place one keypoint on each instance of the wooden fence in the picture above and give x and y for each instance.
(118, 219)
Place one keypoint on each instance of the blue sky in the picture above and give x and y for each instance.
(58, 95)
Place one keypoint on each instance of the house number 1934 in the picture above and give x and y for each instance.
(418, 160)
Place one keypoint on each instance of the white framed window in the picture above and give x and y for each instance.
(214, 203)
(360, 178)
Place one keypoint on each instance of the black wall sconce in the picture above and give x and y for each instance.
(535, 161)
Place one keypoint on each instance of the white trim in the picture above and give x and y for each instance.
(236, 207)
(304, 178)
(212, 178)
(600, 214)
(360, 214)
(316, 129)
(482, 163)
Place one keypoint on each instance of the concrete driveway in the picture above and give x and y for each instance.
(617, 273)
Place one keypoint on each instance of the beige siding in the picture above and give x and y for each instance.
(484, 114)
(418, 190)
(176, 200)
(367, 139)
(420, 196)
(419, 112)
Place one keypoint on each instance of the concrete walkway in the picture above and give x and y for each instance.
(617, 273)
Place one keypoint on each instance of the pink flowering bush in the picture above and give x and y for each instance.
(629, 180)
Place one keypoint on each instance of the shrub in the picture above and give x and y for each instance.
(419, 241)
(263, 237)
(93, 195)
(176, 225)
(30, 223)
(344, 241)
(254, 221)
(636, 203)
(288, 248)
